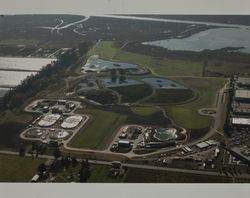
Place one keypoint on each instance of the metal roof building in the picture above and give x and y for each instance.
(241, 108)
(202, 145)
(241, 121)
(244, 81)
(242, 95)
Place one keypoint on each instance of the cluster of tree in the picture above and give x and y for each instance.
(120, 76)
(68, 162)
(41, 168)
(84, 172)
(38, 149)
(65, 163)
(22, 150)
(57, 153)
(41, 80)
(227, 124)
(84, 47)
(101, 96)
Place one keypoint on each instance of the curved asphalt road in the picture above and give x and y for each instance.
(217, 126)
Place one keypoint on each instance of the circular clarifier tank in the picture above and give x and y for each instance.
(164, 134)
(71, 122)
(59, 134)
(35, 132)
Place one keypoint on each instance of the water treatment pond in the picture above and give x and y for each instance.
(13, 70)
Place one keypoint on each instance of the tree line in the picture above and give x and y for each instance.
(49, 74)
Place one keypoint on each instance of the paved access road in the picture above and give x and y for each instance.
(217, 125)
(141, 166)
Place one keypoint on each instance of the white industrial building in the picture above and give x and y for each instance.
(242, 95)
(241, 121)
(202, 145)
(244, 81)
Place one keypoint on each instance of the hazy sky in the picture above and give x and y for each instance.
(91, 7)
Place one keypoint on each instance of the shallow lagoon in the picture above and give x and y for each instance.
(13, 78)
(24, 63)
(211, 39)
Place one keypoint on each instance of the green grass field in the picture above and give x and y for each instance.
(17, 169)
(170, 96)
(98, 174)
(105, 49)
(227, 68)
(99, 131)
(144, 111)
(186, 115)
(11, 124)
(11, 116)
(160, 66)
(133, 93)
(135, 175)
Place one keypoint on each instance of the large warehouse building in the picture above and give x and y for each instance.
(244, 82)
(241, 121)
(242, 95)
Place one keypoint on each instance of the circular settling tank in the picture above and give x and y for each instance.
(49, 120)
(164, 134)
(35, 132)
(59, 134)
(71, 122)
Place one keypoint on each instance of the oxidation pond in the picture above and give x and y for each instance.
(12, 78)
(211, 39)
(24, 63)
(11, 73)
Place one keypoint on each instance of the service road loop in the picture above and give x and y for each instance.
(218, 122)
